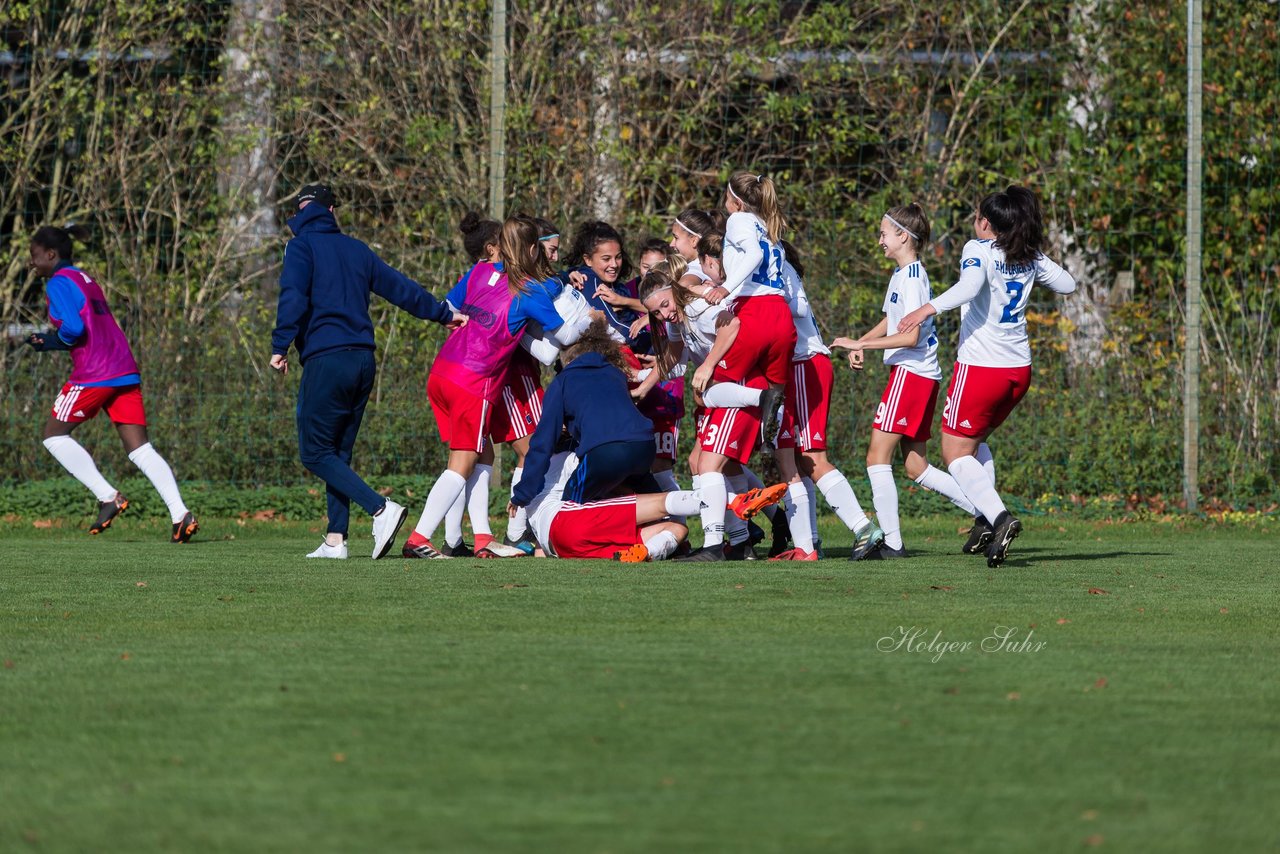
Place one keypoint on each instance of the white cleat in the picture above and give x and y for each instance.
(333, 552)
(385, 527)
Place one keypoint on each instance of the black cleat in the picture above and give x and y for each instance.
(186, 529)
(706, 554)
(460, 550)
(781, 534)
(979, 537)
(1006, 529)
(886, 553)
(771, 422)
(107, 513)
(737, 552)
(526, 543)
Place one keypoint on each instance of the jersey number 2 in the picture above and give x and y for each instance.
(1011, 310)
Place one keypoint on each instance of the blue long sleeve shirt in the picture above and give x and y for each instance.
(325, 289)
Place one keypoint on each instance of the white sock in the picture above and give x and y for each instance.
(661, 545)
(754, 482)
(730, 396)
(798, 517)
(478, 499)
(519, 521)
(453, 519)
(976, 483)
(448, 486)
(158, 472)
(884, 494)
(839, 494)
(76, 459)
(813, 505)
(683, 502)
(944, 484)
(988, 462)
(715, 497)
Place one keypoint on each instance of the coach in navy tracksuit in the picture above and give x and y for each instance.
(589, 399)
(324, 312)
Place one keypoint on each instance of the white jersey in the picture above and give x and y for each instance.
(752, 262)
(808, 338)
(544, 507)
(698, 331)
(993, 332)
(695, 269)
(908, 290)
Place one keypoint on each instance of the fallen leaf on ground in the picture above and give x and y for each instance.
(140, 584)
(1098, 591)
(1013, 695)
(1222, 610)
(42, 523)
(940, 587)
(1101, 683)
(339, 757)
(8, 664)
(738, 586)
(124, 656)
(1093, 841)
(1089, 815)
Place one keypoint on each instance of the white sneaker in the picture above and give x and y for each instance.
(385, 527)
(326, 550)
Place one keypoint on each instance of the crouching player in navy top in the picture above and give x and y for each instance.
(104, 377)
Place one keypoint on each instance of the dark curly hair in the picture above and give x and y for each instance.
(596, 340)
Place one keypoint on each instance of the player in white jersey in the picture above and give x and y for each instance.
(802, 442)
(690, 226)
(993, 363)
(904, 417)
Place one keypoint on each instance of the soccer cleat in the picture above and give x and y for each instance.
(979, 537)
(886, 553)
(749, 503)
(107, 513)
(781, 535)
(460, 550)
(737, 551)
(770, 420)
(1004, 532)
(524, 544)
(423, 550)
(817, 549)
(796, 554)
(632, 554)
(386, 524)
(186, 529)
(496, 549)
(334, 552)
(866, 540)
(706, 554)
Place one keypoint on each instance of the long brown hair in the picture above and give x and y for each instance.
(759, 196)
(596, 340)
(659, 279)
(522, 257)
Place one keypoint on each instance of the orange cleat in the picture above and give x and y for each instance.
(796, 554)
(632, 554)
(749, 503)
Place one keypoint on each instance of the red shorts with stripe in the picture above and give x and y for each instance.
(764, 344)
(519, 406)
(908, 405)
(729, 432)
(595, 529)
(804, 415)
(77, 403)
(980, 399)
(461, 417)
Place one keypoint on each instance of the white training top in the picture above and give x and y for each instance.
(698, 332)
(546, 504)
(908, 290)
(993, 332)
(808, 338)
(752, 262)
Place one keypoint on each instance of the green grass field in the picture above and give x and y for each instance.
(231, 696)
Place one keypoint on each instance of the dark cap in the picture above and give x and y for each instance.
(319, 193)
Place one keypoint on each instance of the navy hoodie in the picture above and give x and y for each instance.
(590, 400)
(618, 318)
(325, 287)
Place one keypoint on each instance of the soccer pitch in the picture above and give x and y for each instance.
(231, 696)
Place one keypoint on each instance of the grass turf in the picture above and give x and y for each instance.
(229, 695)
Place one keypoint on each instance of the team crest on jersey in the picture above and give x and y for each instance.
(893, 297)
(970, 262)
(528, 419)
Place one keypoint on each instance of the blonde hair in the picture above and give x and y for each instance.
(758, 195)
(910, 220)
(522, 257)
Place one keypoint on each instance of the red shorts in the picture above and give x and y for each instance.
(729, 432)
(519, 406)
(595, 529)
(804, 415)
(907, 406)
(461, 417)
(77, 403)
(980, 399)
(764, 344)
(666, 436)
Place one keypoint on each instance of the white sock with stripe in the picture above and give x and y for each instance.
(715, 495)
(661, 545)
(519, 521)
(158, 472)
(884, 494)
(448, 486)
(976, 483)
(76, 459)
(683, 502)
(939, 481)
(988, 461)
(798, 517)
(731, 396)
(839, 494)
(478, 499)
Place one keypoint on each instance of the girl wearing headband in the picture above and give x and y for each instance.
(904, 418)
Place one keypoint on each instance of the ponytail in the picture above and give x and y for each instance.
(1016, 218)
(59, 239)
(758, 195)
(478, 234)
